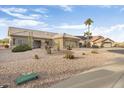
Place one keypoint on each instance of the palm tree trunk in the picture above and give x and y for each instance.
(88, 37)
(88, 28)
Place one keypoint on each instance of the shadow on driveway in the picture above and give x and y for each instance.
(119, 61)
(120, 51)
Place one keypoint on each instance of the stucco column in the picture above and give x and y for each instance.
(77, 44)
(10, 42)
(61, 43)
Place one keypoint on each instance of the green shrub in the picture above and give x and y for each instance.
(6, 46)
(69, 48)
(69, 55)
(36, 56)
(21, 48)
(95, 46)
(94, 51)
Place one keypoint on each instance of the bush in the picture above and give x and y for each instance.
(83, 53)
(69, 55)
(21, 48)
(95, 46)
(69, 48)
(6, 46)
(48, 49)
(88, 45)
(121, 45)
(94, 51)
(36, 56)
(116, 45)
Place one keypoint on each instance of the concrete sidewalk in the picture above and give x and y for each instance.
(108, 76)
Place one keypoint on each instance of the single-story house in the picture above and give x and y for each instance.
(37, 39)
(108, 43)
(100, 41)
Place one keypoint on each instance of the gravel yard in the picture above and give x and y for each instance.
(51, 68)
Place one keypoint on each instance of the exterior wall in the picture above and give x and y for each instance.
(65, 42)
(42, 41)
(17, 40)
(61, 42)
(98, 44)
(109, 44)
(71, 42)
(14, 41)
(58, 43)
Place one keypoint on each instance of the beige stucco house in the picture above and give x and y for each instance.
(37, 39)
(100, 41)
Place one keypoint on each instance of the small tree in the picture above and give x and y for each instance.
(4, 42)
(88, 35)
(88, 23)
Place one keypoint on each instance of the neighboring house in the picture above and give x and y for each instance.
(37, 39)
(100, 41)
(108, 43)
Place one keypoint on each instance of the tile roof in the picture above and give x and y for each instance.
(94, 38)
(99, 40)
(107, 39)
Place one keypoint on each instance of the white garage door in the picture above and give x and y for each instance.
(107, 45)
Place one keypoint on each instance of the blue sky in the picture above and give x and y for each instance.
(108, 20)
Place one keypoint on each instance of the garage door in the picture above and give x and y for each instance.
(37, 44)
(107, 45)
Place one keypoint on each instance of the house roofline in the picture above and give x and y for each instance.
(31, 30)
(109, 39)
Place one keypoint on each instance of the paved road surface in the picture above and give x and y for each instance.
(109, 76)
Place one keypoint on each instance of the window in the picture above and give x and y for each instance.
(20, 42)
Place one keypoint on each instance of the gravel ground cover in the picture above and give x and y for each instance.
(51, 68)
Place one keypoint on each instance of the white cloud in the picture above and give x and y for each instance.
(18, 13)
(73, 29)
(43, 11)
(66, 8)
(13, 9)
(114, 32)
(29, 24)
(105, 6)
(21, 23)
(40, 10)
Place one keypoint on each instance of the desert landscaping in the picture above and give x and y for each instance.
(52, 68)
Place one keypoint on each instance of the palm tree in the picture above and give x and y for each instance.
(88, 23)
(87, 34)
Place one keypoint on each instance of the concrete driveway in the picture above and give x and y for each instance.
(109, 76)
